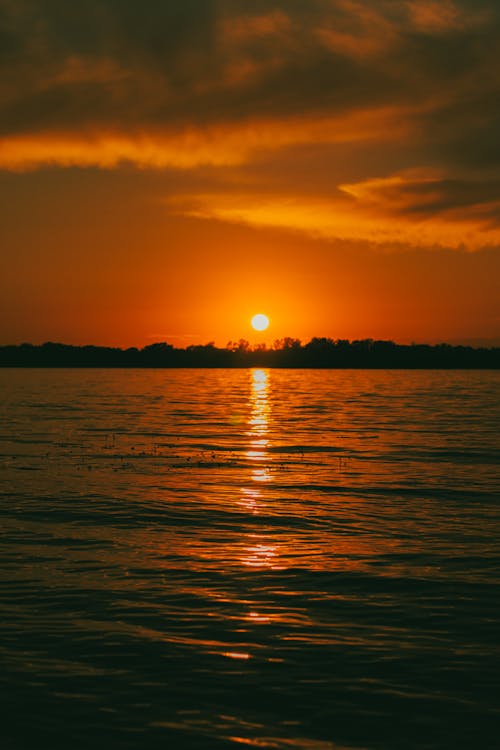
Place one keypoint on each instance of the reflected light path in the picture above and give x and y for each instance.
(257, 429)
(259, 552)
(258, 423)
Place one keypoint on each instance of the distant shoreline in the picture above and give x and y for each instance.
(319, 353)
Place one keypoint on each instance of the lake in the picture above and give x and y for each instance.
(281, 559)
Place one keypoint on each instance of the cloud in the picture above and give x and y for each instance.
(191, 146)
(433, 17)
(472, 229)
(244, 28)
(417, 208)
(219, 83)
(113, 65)
(423, 192)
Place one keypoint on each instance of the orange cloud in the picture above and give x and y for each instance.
(360, 31)
(399, 191)
(383, 211)
(216, 145)
(243, 28)
(432, 16)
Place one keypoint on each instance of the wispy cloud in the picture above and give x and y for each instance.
(189, 146)
(472, 228)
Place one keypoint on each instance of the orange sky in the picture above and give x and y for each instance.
(166, 173)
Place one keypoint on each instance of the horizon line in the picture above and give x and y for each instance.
(286, 342)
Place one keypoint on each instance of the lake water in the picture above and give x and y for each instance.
(281, 559)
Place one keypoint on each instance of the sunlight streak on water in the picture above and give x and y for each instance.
(258, 421)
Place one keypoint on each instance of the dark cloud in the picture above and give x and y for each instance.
(170, 62)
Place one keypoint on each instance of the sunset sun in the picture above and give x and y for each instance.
(260, 322)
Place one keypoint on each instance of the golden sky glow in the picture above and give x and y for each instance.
(166, 173)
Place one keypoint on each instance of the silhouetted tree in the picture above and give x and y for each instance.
(286, 352)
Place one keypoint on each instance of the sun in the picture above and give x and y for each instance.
(260, 322)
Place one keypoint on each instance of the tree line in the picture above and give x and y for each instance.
(319, 352)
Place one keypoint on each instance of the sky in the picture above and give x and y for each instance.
(169, 169)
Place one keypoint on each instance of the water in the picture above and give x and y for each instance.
(276, 559)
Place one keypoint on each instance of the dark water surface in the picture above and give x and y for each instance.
(276, 559)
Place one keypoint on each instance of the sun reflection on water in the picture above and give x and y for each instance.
(258, 425)
(258, 422)
(257, 429)
(258, 552)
